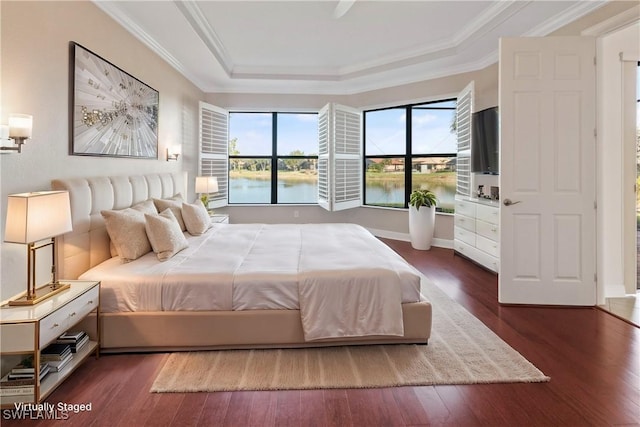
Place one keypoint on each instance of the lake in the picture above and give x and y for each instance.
(246, 190)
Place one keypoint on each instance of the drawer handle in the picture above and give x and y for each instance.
(494, 229)
(90, 302)
(55, 325)
(72, 314)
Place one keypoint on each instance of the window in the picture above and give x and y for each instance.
(407, 148)
(273, 158)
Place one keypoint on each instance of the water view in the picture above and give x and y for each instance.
(386, 192)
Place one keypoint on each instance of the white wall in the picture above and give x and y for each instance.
(611, 185)
(34, 80)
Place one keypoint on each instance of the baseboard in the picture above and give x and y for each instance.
(614, 291)
(404, 237)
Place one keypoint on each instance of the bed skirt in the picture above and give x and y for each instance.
(201, 330)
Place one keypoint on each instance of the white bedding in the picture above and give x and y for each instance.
(344, 280)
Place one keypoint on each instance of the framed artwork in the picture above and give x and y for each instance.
(113, 114)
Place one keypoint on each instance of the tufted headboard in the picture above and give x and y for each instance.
(88, 244)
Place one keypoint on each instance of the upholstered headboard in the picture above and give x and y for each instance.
(88, 244)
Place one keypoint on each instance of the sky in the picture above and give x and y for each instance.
(385, 133)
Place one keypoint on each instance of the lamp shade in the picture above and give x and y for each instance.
(20, 125)
(206, 184)
(36, 216)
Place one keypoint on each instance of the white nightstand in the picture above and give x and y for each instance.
(25, 330)
(220, 218)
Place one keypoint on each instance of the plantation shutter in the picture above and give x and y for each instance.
(339, 157)
(214, 150)
(464, 109)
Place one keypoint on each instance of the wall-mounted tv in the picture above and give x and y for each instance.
(485, 146)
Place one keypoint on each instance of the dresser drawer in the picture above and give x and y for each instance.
(465, 236)
(83, 305)
(488, 230)
(466, 208)
(465, 222)
(489, 246)
(488, 213)
(55, 324)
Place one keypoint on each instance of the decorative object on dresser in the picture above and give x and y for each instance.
(206, 185)
(18, 131)
(31, 218)
(422, 221)
(113, 113)
(31, 332)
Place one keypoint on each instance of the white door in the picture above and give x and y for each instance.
(547, 171)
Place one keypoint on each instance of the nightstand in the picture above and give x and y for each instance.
(26, 330)
(220, 218)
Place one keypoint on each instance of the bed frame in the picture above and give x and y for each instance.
(88, 245)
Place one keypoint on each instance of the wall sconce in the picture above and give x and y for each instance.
(19, 130)
(31, 219)
(206, 185)
(173, 153)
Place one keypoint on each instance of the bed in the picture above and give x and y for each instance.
(238, 285)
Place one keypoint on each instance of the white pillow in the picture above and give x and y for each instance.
(126, 229)
(164, 234)
(196, 218)
(145, 207)
(175, 204)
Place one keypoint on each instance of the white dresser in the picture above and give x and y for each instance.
(476, 231)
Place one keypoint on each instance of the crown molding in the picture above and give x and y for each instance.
(614, 23)
(569, 15)
(198, 21)
(122, 19)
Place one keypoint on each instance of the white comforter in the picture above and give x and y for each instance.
(345, 282)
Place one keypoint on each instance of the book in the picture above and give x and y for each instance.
(5, 382)
(73, 335)
(58, 365)
(55, 352)
(17, 391)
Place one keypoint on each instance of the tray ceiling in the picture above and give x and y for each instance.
(332, 47)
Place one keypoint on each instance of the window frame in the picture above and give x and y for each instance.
(408, 156)
(273, 159)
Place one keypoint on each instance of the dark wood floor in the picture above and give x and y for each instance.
(593, 360)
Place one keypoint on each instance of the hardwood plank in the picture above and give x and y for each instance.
(237, 414)
(312, 408)
(215, 409)
(190, 410)
(263, 409)
(288, 408)
(337, 408)
(374, 407)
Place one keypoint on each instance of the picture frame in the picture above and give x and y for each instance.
(112, 113)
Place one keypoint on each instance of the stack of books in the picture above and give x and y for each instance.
(21, 379)
(56, 355)
(76, 339)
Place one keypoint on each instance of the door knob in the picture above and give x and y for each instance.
(508, 202)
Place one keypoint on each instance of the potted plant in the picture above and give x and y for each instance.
(422, 217)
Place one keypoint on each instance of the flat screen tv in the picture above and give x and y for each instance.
(485, 145)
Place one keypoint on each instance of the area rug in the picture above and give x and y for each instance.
(461, 350)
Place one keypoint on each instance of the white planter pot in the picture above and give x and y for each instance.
(421, 225)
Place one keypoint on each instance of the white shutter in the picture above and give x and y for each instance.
(339, 157)
(324, 189)
(464, 109)
(214, 150)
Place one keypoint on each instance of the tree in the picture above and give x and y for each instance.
(233, 151)
(294, 164)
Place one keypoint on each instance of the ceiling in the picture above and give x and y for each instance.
(330, 46)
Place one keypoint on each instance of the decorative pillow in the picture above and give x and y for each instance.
(196, 218)
(164, 234)
(175, 204)
(145, 207)
(126, 231)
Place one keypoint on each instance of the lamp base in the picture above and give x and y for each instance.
(42, 293)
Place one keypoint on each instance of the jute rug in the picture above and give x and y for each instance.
(461, 350)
